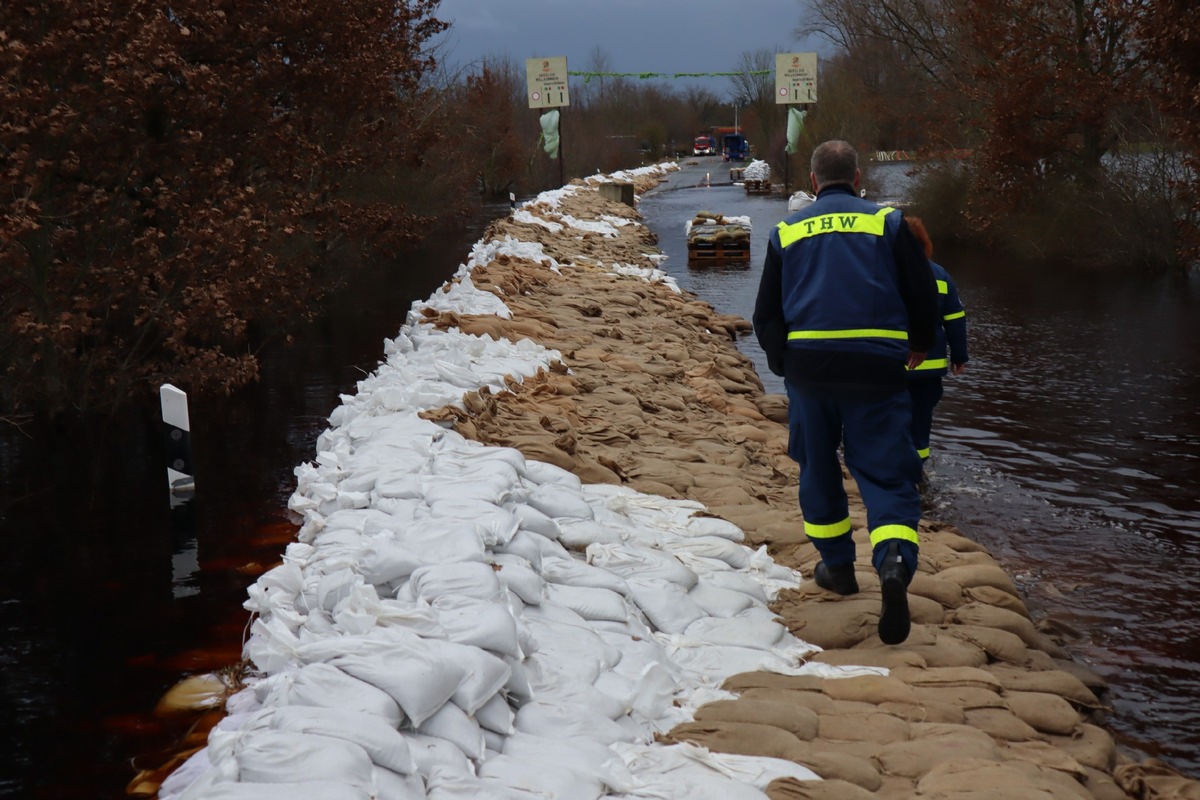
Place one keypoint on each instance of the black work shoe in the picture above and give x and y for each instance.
(894, 623)
(836, 579)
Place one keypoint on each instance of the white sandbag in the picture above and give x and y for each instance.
(447, 785)
(431, 753)
(582, 755)
(714, 526)
(535, 521)
(467, 579)
(383, 744)
(759, 634)
(385, 560)
(411, 616)
(270, 756)
(452, 724)
(309, 790)
(496, 715)
(575, 572)
(523, 545)
(577, 534)
(496, 524)
(544, 473)
(557, 501)
(589, 603)
(479, 623)
(647, 564)
(486, 674)
(737, 556)
(393, 786)
(719, 602)
(666, 605)
(326, 686)
(419, 678)
(738, 582)
(544, 779)
(462, 542)
(552, 721)
(520, 579)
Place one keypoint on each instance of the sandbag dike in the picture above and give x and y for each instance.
(652, 393)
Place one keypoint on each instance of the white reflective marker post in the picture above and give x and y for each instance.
(178, 442)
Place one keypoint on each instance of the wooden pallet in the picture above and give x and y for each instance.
(757, 186)
(718, 254)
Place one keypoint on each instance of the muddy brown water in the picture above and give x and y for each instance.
(1070, 448)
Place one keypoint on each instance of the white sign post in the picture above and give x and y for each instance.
(546, 79)
(795, 78)
(180, 479)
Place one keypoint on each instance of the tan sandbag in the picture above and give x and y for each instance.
(1000, 645)
(873, 689)
(996, 617)
(1060, 784)
(946, 593)
(1101, 786)
(812, 700)
(835, 624)
(835, 766)
(792, 789)
(740, 738)
(970, 575)
(879, 728)
(974, 776)
(926, 711)
(1043, 754)
(963, 697)
(1091, 746)
(1048, 713)
(934, 744)
(943, 650)
(742, 681)
(948, 676)
(1057, 682)
(801, 722)
(1000, 723)
(890, 658)
(996, 597)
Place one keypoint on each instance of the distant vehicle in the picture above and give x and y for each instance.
(704, 146)
(734, 147)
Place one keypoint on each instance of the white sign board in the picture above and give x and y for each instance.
(795, 78)
(546, 80)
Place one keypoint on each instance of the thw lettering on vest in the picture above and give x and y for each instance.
(871, 224)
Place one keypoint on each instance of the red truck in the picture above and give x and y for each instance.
(704, 146)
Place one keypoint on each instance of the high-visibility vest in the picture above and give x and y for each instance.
(839, 277)
(951, 312)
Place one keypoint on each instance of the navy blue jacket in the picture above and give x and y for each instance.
(846, 292)
(950, 347)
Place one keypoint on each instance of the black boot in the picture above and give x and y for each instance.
(894, 623)
(836, 579)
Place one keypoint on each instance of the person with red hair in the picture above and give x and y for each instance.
(948, 354)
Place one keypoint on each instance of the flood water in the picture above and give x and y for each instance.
(1070, 448)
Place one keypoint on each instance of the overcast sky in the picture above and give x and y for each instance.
(635, 35)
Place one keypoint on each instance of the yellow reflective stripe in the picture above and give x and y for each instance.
(931, 363)
(872, 224)
(856, 333)
(827, 531)
(955, 315)
(923, 452)
(885, 532)
(943, 287)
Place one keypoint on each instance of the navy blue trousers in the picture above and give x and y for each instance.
(876, 438)
(925, 393)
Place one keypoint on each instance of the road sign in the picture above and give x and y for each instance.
(795, 78)
(546, 79)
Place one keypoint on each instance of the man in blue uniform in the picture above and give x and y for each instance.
(846, 304)
(949, 351)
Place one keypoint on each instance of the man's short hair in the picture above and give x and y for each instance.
(834, 161)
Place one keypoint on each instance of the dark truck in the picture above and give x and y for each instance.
(734, 147)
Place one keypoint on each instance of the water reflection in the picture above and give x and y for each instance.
(1069, 448)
